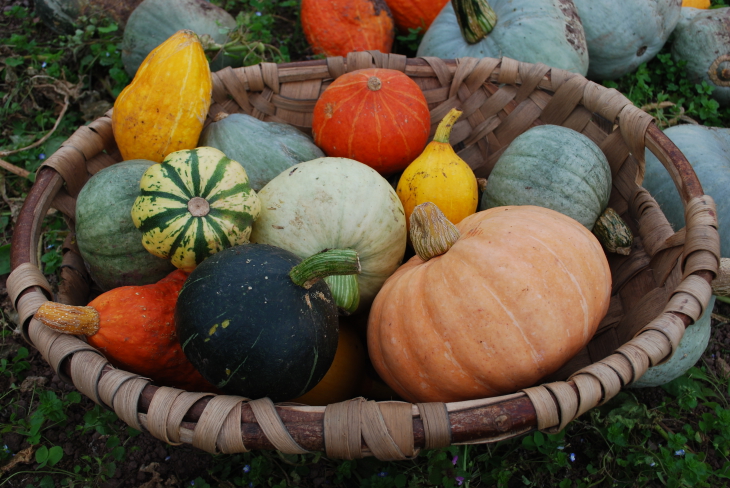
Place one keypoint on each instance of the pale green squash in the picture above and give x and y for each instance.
(533, 31)
(702, 39)
(622, 35)
(336, 203)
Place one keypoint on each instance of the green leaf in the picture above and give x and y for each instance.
(41, 455)
(5, 259)
(54, 455)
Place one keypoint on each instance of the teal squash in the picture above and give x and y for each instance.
(106, 236)
(251, 329)
(693, 344)
(701, 39)
(532, 31)
(554, 167)
(63, 15)
(154, 21)
(708, 151)
(336, 203)
(622, 35)
(264, 149)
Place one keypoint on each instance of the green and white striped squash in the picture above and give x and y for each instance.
(192, 205)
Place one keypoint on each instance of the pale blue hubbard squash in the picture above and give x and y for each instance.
(264, 149)
(63, 15)
(532, 31)
(701, 39)
(622, 35)
(154, 21)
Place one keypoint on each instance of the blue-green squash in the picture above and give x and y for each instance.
(264, 149)
(154, 21)
(701, 39)
(194, 204)
(106, 236)
(533, 31)
(254, 327)
(63, 16)
(622, 35)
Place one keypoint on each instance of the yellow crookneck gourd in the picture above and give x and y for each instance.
(440, 176)
(164, 108)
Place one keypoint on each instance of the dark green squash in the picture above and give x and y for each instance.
(108, 240)
(154, 21)
(264, 149)
(63, 15)
(249, 329)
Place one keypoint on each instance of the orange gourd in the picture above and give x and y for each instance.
(134, 327)
(520, 291)
(164, 107)
(414, 14)
(344, 377)
(337, 27)
(376, 116)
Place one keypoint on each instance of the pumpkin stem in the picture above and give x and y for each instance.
(326, 263)
(345, 291)
(476, 19)
(374, 83)
(613, 232)
(432, 234)
(443, 131)
(721, 284)
(220, 116)
(69, 319)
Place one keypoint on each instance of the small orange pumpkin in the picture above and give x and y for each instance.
(376, 116)
(337, 27)
(414, 14)
(134, 326)
(520, 292)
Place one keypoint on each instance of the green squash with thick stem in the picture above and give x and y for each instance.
(257, 321)
(532, 31)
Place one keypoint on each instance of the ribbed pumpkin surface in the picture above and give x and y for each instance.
(164, 107)
(194, 204)
(519, 294)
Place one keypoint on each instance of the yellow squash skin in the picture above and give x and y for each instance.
(163, 109)
(440, 176)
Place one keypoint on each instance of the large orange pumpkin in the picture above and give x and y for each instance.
(337, 27)
(519, 293)
(378, 117)
(414, 14)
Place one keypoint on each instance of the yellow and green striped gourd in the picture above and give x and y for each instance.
(192, 205)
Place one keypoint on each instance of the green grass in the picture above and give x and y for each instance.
(675, 436)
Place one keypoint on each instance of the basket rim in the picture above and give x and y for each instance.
(459, 414)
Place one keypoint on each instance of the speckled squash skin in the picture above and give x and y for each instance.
(164, 107)
(337, 27)
(519, 293)
(108, 240)
(336, 203)
(621, 36)
(153, 21)
(532, 31)
(137, 333)
(553, 167)
(414, 14)
(702, 40)
(250, 330)
(240, 137)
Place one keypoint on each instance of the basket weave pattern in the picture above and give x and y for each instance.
(659, 289)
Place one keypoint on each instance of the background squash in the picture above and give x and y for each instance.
(164, 107)
(335, 203)
(63, 15)
(621, 36)
(153, 21)
(415, 14)
(533, 31)
(106, 236)
(495, 313)
(378, 117)
(337, 27)
(194, 204)
(264, 149)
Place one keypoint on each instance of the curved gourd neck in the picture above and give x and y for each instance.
(327, 263)
(443, 131)
(476, 19)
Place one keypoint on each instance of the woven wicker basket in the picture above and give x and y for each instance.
(662, 286)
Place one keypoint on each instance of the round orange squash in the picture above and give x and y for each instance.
(376, 116)
(414, 14)
(520, 292)
(337, 27)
